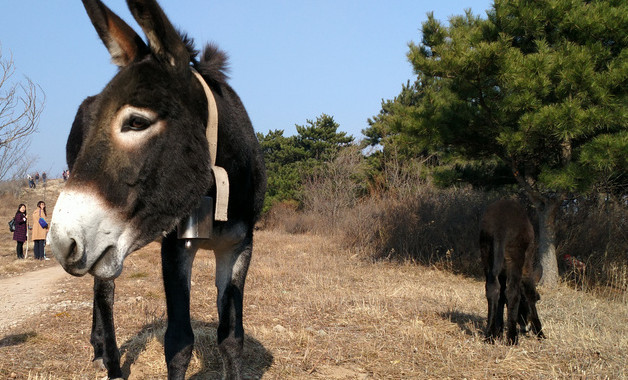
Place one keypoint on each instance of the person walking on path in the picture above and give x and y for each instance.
(40, 229)
(19, 235)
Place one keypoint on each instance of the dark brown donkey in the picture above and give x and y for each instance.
(141, 162)
(507, 246)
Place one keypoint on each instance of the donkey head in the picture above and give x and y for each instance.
(137, 151)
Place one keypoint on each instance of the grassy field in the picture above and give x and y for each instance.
(314, 310)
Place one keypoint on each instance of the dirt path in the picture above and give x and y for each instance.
(25, 295)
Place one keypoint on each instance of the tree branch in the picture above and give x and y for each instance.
(21, 105)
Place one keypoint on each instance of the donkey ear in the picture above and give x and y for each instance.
(124, 45)
(163, 38)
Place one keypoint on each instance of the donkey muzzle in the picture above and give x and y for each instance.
(87, 236)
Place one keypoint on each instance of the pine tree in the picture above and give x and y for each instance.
(539, 86)
(289, 160)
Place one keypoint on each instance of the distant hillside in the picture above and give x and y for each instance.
(47, 193)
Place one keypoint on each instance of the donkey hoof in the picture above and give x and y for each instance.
(98, 363)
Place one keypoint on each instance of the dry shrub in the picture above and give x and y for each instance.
(284, 216)
(595, 232)
(8, 206)
(434, 227)
(335, 188)
(404, 218)
(12, 188)
(329, 192)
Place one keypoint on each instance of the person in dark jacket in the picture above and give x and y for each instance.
(19, 235)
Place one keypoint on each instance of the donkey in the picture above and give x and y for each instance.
(141, 163)
(507, 247)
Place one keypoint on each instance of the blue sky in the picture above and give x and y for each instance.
(290, 60)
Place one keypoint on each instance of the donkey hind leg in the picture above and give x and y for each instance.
(501, 305)
(513, 296)
(103, 337)
(176, 266)
(532, 296)
(231, 267)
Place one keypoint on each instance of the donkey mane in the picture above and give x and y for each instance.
(189, 44)
(214, 64)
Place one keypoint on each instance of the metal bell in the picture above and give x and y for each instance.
(199, 224)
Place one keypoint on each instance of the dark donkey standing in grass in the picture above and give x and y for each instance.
(141, 163)
(507, 246)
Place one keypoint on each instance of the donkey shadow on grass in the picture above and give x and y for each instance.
(471, 324)
(256, 359)
(16, 339)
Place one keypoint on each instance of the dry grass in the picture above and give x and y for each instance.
(313, 310)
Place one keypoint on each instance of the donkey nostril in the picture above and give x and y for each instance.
(76, 258)
(73, 250)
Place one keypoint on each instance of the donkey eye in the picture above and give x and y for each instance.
(132, 127)
(136, 123)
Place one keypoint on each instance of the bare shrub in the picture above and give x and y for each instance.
(283, 216)
(404, 178)
(335, 187)
(405, 218)
(12, 188)
(434, 227)
(594, 230)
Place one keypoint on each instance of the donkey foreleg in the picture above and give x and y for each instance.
(231, 268)
(494, 320)
(493, 262)
(103, 337)
(532, 296)
(524, 312)
(176, 263)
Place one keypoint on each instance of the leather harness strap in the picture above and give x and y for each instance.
(220, 174)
